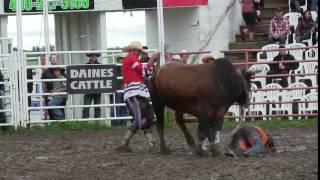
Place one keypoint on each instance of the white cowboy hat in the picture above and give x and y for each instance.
(134, 45)
(217, 54)
(214, 54)
(176, 57)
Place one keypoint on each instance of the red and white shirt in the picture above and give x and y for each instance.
(134, 74)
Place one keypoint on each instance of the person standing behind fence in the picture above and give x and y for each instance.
(48, 86)
(121, 111)
(184, 56)
(29, 87)
(136, 94)
(58, 100)
(88, 98)
(2, 89)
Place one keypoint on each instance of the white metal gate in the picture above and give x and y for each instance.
(10, 106)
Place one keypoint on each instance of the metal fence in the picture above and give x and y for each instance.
(19, 113)
(10, 107)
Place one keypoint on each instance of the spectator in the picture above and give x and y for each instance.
(281, 67)
(305, 27)
(88, 98)
(279, 28)
(295, 6)
(314, 5)
(209, 57)
(250, 140)
(58, 100)
(48, 86)
(2, 90)
(30, 73)
(249, 15)
(175, 58)
(136, 95)
(184, 56)
(144, 55)
(257, 5)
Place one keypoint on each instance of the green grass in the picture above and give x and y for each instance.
(58, 127)
(274, 123)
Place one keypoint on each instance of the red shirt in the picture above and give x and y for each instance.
(133, 70)
(248, 6)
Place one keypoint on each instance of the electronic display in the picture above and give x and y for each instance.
(10, 6)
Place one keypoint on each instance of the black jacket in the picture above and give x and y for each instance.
(289, 66)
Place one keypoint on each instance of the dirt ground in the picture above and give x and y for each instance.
(91, 155)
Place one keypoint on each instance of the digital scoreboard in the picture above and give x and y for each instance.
(10, 6)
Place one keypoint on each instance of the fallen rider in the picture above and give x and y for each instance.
(250, 140)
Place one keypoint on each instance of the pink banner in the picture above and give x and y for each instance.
(184, 3)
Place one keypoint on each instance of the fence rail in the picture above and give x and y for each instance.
(22, 114)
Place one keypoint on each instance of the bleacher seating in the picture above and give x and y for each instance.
(262, 70)
(269, 55)
(293, 21)
(257, 109)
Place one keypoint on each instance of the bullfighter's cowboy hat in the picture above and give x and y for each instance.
(93, 53)
(134, 45)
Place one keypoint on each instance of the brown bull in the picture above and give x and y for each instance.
(205, 91)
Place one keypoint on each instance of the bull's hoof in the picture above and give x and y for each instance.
(123, 149)
(215, 151)
(152, 149)
(165, 151)
(199, 152)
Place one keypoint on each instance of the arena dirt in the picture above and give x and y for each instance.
(91, 155)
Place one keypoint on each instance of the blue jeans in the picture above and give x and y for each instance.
(121, 111)
(314, 5)
(282, 39)
(57, 101)
(295, 5)
(88, 98)
(304, 36)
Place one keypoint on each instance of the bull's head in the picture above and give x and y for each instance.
(246, 79)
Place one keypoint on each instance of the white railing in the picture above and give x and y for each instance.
(10, 107)
(74, 104)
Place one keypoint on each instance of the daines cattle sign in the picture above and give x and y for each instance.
(90, 79)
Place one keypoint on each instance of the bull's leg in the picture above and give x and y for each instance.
(214, 148)
(202, 134)
(159, 112)
(187, 135)
(219, 128)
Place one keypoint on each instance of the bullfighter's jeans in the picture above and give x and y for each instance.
(142, 112)
(88, 98)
